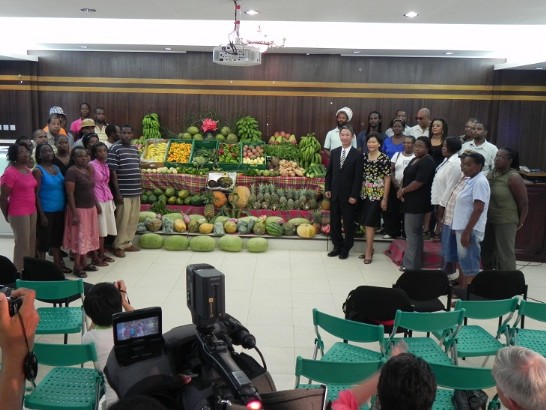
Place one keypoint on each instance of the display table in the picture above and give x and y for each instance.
(197, 183)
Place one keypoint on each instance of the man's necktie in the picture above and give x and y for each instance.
(342, 158)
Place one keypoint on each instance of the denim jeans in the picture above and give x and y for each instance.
(469, 258)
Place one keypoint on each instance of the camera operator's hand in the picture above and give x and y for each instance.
(125, 303)
(14, 348)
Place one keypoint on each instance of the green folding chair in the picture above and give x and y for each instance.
(337, 376)
(533, 339)
(460, 378)
(66, 388)
(347, 330)
(442, 325)
(474, 340)
(60, 319)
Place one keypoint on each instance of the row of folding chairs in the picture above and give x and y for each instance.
(63, 386)
(448, 338)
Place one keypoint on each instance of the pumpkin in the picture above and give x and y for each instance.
(230, 226)
(179, 226)
(219, 199)
(240, 195)
(206, 228)
(306, 231)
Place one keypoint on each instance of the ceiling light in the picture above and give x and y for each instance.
(411, 14)
(88, 10)
(84, 47)
(448, 53)
(252, 12)
(356, 52)
(168, 49)
(539, 68)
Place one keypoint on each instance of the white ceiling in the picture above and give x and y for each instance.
(503, 29)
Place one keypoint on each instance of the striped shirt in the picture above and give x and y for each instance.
(125, 161)
(450, 206)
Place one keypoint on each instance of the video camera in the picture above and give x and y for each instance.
(144, 361)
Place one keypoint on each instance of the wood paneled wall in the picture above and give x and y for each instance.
(294, 93)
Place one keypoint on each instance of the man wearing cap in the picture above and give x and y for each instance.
(480, 145)
(59, 113)
(332, 141)
(422, 129)
(100, 124)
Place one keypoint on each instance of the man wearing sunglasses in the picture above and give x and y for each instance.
(422, 129)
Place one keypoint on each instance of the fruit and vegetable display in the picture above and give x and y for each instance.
(229, 153)
(150, 126)
(270, 196)
(179, 152)
(154, 151)
(283, 151)
(248, 129)
(310, 150)
(290, 169)
(253, 154)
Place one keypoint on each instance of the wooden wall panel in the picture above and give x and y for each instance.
(295, 93)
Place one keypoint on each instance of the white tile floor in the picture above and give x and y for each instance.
(271, 293)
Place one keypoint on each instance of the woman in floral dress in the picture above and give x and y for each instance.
(375, 190)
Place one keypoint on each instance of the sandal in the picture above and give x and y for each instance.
(363, 256)
(108, 259)
(80, 274)
(90, 268)
(99, 262)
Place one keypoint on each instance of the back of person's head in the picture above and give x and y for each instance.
(520, 375)
(102, 301)
(406, 382)
(137, 403)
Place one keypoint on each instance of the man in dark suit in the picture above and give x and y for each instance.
(343, 183)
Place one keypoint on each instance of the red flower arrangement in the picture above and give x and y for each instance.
(209, 125)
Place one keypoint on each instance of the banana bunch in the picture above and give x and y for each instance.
(309, 150)
(156, 152)
(248, 129)
(150, 126)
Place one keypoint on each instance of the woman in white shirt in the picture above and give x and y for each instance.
(448, 173)
(393, 217)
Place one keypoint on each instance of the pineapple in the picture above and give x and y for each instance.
(252, 197)
(312, 199)
(261, 192)
(274, 195)
(290, 204)
(317, 219)
(282, 197)
(209, 211)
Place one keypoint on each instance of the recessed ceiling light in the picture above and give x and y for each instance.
(88, 10)
(84, 47)
(411, 14)
(539, 68)
(448, 53)
(168, 49)
(252, 12)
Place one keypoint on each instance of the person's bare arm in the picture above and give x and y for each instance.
(14, 348)
(519, 190)
(4, 203)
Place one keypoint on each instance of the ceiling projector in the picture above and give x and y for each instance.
(241, 56)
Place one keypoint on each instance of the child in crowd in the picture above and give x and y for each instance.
(103, 300)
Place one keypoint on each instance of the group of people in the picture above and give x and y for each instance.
(423, 184)
(61, 191)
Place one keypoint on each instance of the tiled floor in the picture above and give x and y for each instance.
(271, 293)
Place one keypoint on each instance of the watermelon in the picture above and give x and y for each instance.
(273, 228)
(230, 243)
(257, 245)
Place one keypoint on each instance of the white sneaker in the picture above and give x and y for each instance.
(387, 236)
(453, 276)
